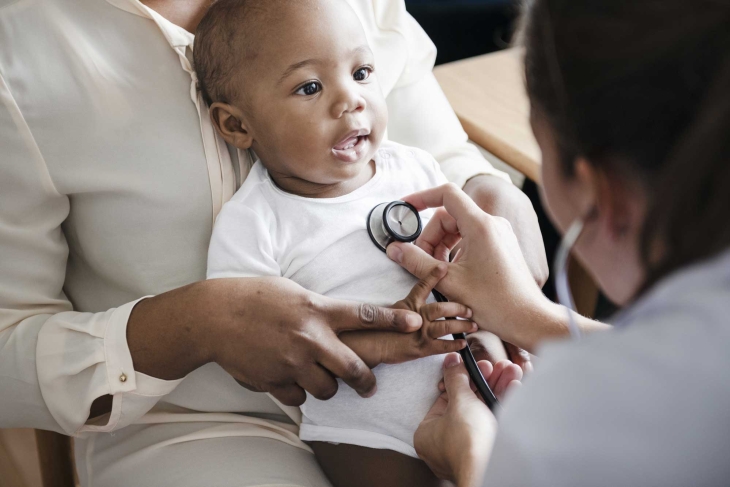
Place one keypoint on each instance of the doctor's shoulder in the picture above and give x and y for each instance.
(647, 401)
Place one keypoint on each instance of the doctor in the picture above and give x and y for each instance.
(630, 106)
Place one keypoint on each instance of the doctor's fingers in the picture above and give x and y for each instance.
(450, 196)
(342, 362)
(456, 379)
(440, 235)
(349, 316)
(485, 367)
(504, 374)
(413, 259)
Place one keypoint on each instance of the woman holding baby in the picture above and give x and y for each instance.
(631, 110)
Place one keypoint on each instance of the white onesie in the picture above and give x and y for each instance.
(323, 245)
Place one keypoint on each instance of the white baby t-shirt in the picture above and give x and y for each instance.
(323, 245)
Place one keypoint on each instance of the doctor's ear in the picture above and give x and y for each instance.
(229, 122)
(611, 199)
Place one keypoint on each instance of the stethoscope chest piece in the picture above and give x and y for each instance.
(397, 221)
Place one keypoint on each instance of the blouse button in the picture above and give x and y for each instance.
(123, 377)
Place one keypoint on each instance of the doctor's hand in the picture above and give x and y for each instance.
(455, 438)
(490, 275)
(385, 347)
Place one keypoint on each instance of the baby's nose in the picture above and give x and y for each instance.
(349, 101)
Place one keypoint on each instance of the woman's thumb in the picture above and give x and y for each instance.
(456, 378)
(412, 258)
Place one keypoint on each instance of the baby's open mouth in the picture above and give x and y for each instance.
(351, 147)
(350, 143)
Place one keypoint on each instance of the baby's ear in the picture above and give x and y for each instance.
(228, 121)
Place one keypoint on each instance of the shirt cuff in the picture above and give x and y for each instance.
(83, 356)
(134, 393)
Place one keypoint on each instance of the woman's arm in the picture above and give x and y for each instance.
(55, 362)
(490, 276)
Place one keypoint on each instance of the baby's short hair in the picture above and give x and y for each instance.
(224, 44)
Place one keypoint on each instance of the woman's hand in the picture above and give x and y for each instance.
(268, 333)
(489, 274)
(456, 436)
(387, 347)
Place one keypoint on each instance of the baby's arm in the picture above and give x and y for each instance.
(393, 348)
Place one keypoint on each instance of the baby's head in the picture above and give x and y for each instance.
(295, 81)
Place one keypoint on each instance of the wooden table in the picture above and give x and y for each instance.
(488, 95)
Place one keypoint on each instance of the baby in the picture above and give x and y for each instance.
(295, 81)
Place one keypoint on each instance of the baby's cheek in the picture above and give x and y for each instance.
(381, 115)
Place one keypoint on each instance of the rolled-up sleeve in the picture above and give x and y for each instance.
(420, 114)
(54, 361)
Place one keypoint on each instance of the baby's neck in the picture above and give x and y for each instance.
(309, 189)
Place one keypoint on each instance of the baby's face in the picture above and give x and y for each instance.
(313, 106)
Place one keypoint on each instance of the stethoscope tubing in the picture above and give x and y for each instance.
(472, 368)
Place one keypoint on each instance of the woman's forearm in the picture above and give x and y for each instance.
(165, 333)
(164, 336)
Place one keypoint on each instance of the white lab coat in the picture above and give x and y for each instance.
(110, 178)
(644, 405)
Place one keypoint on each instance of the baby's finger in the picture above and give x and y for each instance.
(436, 311)
(420, 292)
(438, 329)
(438, 347)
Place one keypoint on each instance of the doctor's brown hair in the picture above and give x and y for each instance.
(642, 87)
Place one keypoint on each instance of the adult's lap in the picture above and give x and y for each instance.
(193, 454)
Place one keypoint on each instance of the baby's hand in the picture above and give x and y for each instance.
(393, 348)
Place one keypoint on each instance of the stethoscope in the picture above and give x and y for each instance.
(399, 221)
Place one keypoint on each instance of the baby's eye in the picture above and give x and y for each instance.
(311, 88)
(362, 74)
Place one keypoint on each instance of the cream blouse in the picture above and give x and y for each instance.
(111, 176)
